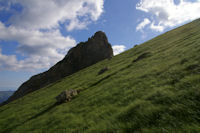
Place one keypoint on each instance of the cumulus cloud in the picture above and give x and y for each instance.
(168, 13)
(35, 42)
(35, 27)
(145, 22)
(117, 49)
(42, 49)
(45, 14)
(10, 62)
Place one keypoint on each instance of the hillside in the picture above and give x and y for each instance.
(4, 95)
(153, 87)
(85, 54)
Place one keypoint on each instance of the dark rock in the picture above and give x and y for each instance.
(142, 56)
(103, 70)
(97, 48)
(66, 96)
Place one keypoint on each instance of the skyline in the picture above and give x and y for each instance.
(33, 40)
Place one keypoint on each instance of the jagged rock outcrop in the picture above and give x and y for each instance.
(83, 55)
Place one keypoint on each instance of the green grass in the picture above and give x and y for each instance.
(157, 93)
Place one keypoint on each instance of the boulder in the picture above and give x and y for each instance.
(66, 96)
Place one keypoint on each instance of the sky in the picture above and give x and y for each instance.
(35, 34)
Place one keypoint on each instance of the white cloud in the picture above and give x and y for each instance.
(76, 24)
(35, 42)
(158, 27)
(10, 62)
(42, 49)
(165, 13)
(117, 49)
(47, 14)
(144, 23)
(36, 30)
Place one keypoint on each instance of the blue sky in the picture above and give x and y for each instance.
(36, 34)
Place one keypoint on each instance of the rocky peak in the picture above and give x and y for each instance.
(81, 56)
(99, 35)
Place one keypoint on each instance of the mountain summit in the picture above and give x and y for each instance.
(83, 55)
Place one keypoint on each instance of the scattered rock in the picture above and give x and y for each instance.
(85, 54)
(142, 56)
(66, 96)
(103, 70)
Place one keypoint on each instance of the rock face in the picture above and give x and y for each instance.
(83, 55)
(66, 96)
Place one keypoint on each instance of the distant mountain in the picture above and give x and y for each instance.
(83, 55)
(4, 95)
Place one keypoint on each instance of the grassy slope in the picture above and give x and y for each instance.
(159, 93)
